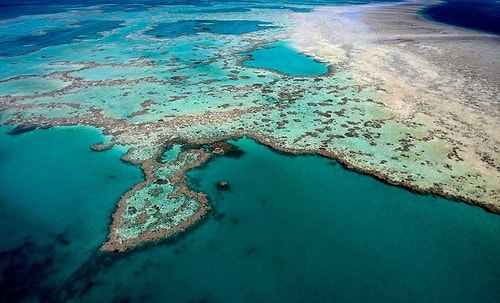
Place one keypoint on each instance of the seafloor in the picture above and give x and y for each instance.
(382, 90)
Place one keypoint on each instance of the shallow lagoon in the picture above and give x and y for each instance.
(281, 57)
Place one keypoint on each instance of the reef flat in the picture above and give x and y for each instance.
(410, 101)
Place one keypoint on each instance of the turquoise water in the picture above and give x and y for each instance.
(56, 200)
(304, 229)
(279, 56)
(290, 229)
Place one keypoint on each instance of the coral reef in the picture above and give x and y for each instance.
(411, 108)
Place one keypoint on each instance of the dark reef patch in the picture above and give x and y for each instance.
(219, 27)
(21, 129)
(22, 270)
(216, 10)
(14, 10)
(85, 30)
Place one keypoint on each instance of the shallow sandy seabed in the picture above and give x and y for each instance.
(410, 101)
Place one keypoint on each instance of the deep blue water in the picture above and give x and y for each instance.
(482, 15)
(88, 29)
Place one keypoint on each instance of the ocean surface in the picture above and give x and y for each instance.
(57, 197)
(291, 228)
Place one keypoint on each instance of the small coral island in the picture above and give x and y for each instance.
(164, 205)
